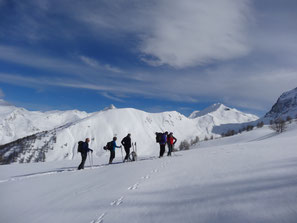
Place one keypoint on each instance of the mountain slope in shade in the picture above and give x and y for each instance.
(286, 105)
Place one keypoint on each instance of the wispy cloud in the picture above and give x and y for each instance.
(113, 98)
(252, 89)
(95, 64)
(172, 32)
(83, 67)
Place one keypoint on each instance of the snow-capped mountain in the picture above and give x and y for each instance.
(222, 112)
(219, 114)
(109, 107)
(100, 127)
(18, 122)
(285, 106)
(194, 114)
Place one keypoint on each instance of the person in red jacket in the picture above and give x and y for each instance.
(171, 140)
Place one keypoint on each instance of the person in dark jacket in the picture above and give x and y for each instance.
(84, 153)
(163, 144)
(171, 140)
(112, 151)
(126, 142)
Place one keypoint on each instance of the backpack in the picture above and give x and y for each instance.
(79, 148)
(159, 137)
(133, 156)
(108, 146)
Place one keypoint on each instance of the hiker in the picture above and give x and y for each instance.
(112, 150)
(162, 143)
(171, 140)
(126, 142)
(84, 149)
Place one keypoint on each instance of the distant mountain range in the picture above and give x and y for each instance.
(32, 136)
(54, 135)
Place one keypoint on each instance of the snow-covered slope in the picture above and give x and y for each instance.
(285, 106)
(251, 177)
(100, 127)
(18, 122)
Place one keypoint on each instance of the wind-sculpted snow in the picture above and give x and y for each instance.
(101, 126)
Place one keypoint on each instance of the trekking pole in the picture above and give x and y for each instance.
(135, 159)
(92, 159)
(122, 153)
(89, 160)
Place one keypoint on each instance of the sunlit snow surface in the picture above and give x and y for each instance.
(251, 177)
(60, 142)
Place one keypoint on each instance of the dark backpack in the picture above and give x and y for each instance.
(108, 146)
(134, 156)
(80, 145)
(159, 137)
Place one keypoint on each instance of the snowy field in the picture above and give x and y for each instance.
(251, 177)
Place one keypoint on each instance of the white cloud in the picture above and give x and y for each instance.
(172, 32)
(188, 33)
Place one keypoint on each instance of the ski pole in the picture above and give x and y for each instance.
(135, 158)
(122, 153)
(89, 160)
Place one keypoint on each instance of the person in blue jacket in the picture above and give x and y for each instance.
(163, 144)
(112, 151)
(84, 153)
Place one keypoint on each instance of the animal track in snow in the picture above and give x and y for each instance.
(145, 177)
(155, 171)
(117, 202)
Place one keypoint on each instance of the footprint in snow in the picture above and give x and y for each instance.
(134, 187)
(155, 171)
(99, 219)
(145, 177)
(117, 202)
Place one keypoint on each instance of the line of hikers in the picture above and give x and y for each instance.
(161, 138)
(165, 139)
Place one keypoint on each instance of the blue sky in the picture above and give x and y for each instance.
(154, 55)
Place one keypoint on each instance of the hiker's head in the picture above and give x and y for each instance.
(166, 133)
(87, 140)
(114, 138)
(129, 134)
